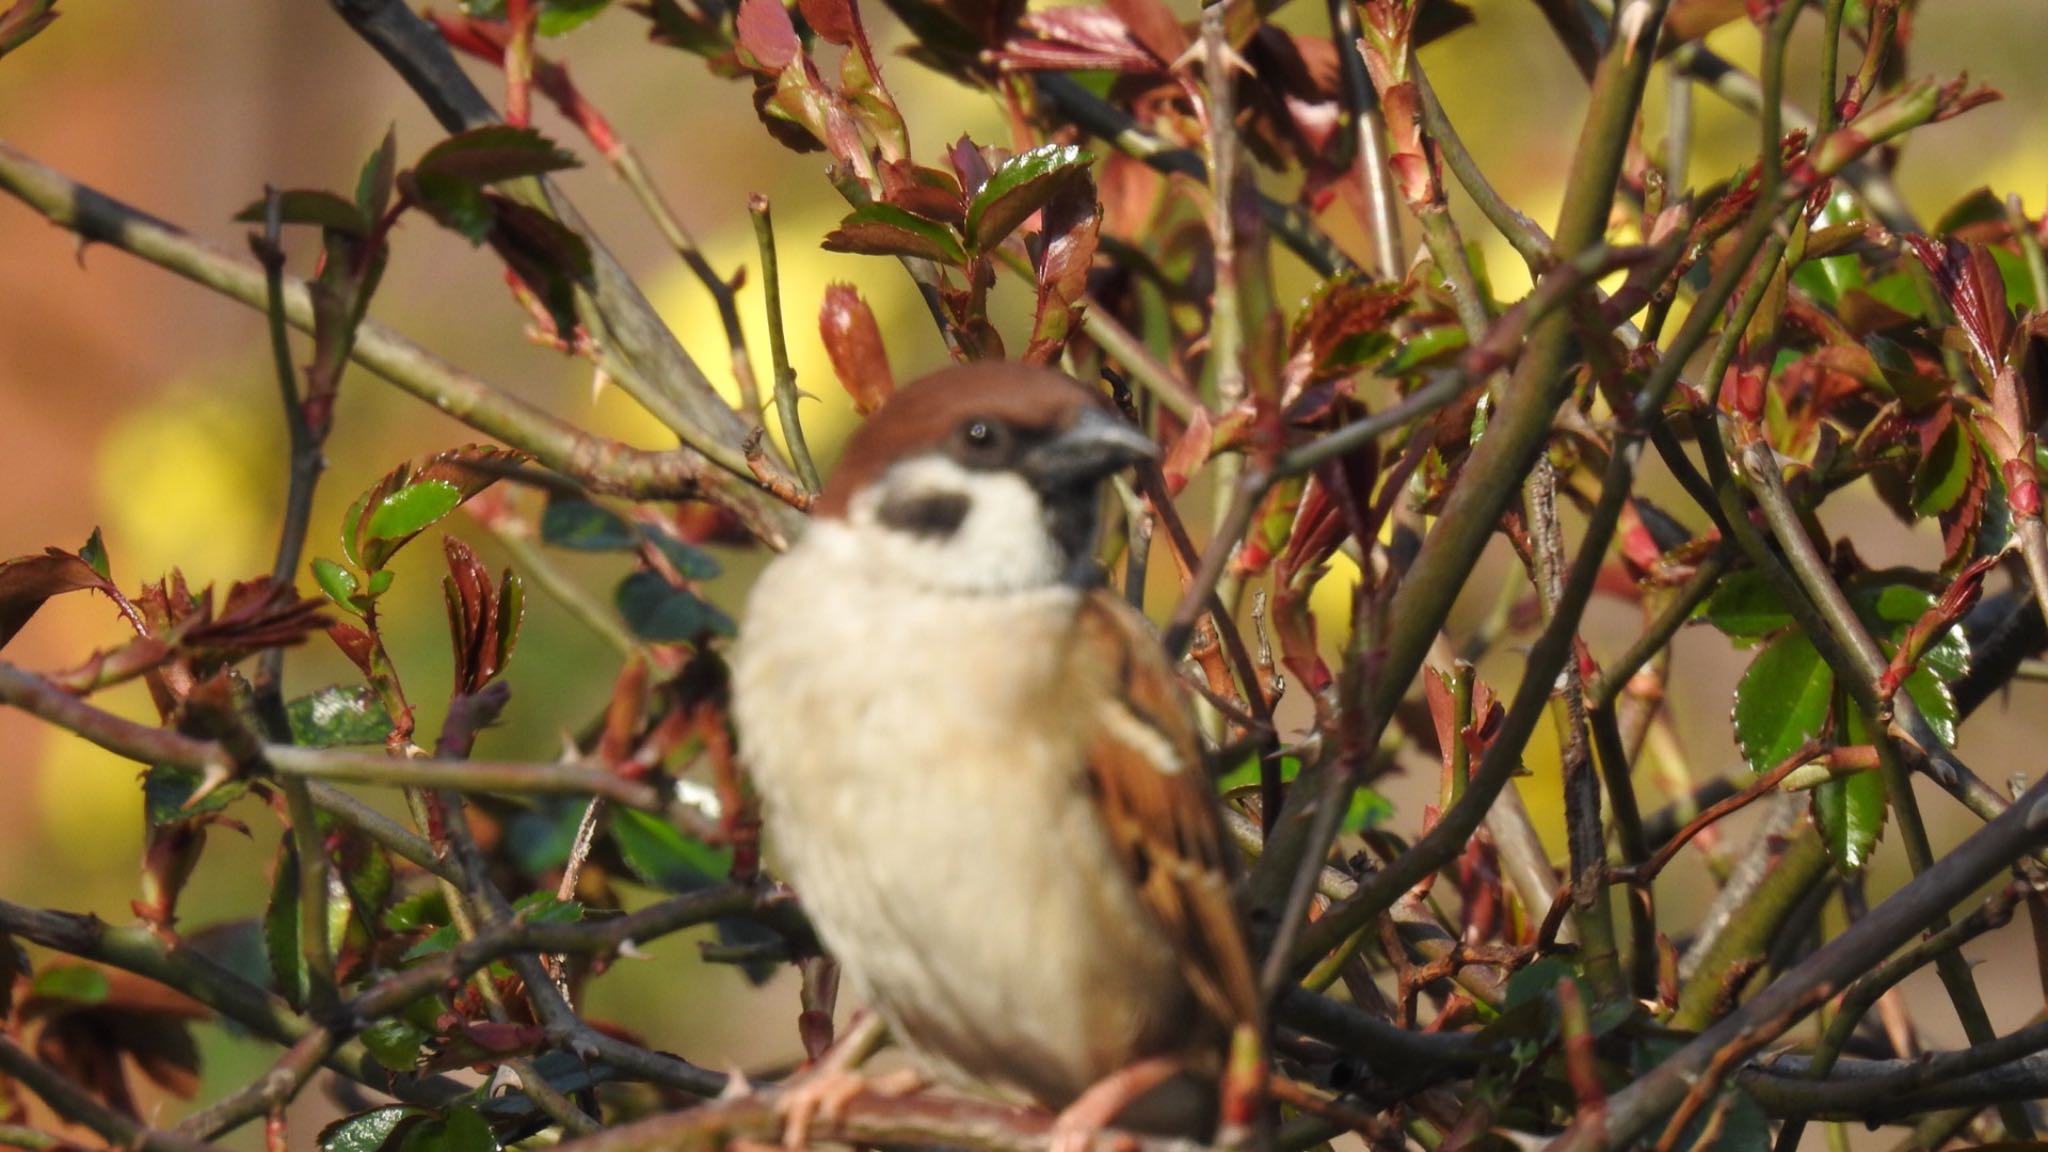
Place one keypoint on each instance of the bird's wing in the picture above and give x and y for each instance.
(1157, 802)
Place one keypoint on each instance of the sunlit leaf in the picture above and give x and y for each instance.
(365, 1131)
(336, 581)
(338, 715)
(1019, 187)
(878, 229)
(412, 509)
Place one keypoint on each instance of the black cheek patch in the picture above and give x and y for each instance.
(934, 514)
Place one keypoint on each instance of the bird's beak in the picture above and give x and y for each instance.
(1094, 446)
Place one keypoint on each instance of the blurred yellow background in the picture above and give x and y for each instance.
(139, 403)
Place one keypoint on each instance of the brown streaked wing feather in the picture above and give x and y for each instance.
(1161, 813)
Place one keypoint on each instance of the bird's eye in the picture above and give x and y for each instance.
(983, 438)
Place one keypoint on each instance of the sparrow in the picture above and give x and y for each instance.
(978, 768)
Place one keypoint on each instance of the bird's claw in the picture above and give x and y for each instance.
(825, 1095)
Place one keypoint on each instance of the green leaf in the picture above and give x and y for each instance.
(1944, 472)
(74, 982)
(336, 715)
(95, 556)
(879, 229)
(1245, 776)
(1850, 811)
(1746, 607)
(337, 582)
(281, 928)
(659, 611)
(460, 1129)
(365, 1131)
(422, 909)
(660, 855)
(439, 940)
(168, 790)
(1924, 684)
(689, 561)
(464, 472)
(586, 526)
(2019, 282)
(394, 1043)
(1850, 814)
(373, 183)
(493, 153)
(1427, 347)
(1782, 701)
(1888, 607)
(511, 615)
(560, 16)
(1368, 809)
(412, 509)
(1021, 186)
(455, 204)
(544, 908)
(310, 206)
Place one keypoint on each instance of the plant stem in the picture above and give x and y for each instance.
(786, 394)
(605, 465)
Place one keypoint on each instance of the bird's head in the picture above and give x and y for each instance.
(981, 478)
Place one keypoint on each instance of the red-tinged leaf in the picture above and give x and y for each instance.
(1443, 717)
(13, 966)
(1078, 38)
(1189, 452)
(546, 256)
(503, 1039)
(854, 342)
(104, 669)
(1319, 527)
(21, 22)
(767, 34)
(132, 1017)
(1345, 326)
(256, 615)
(1020, 187)
(970, 164)
(885, 230)
(928, 192)
(1063, 251)
(310, 206)
(869, 102)
(493, 153)
(793, 109)
(1969, 280)
(1939, 620)
(27, 581)
(354, 644)
(833, 20)
(1154, 25)
(1962, 522)
(483, 618)
(1946, 455)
